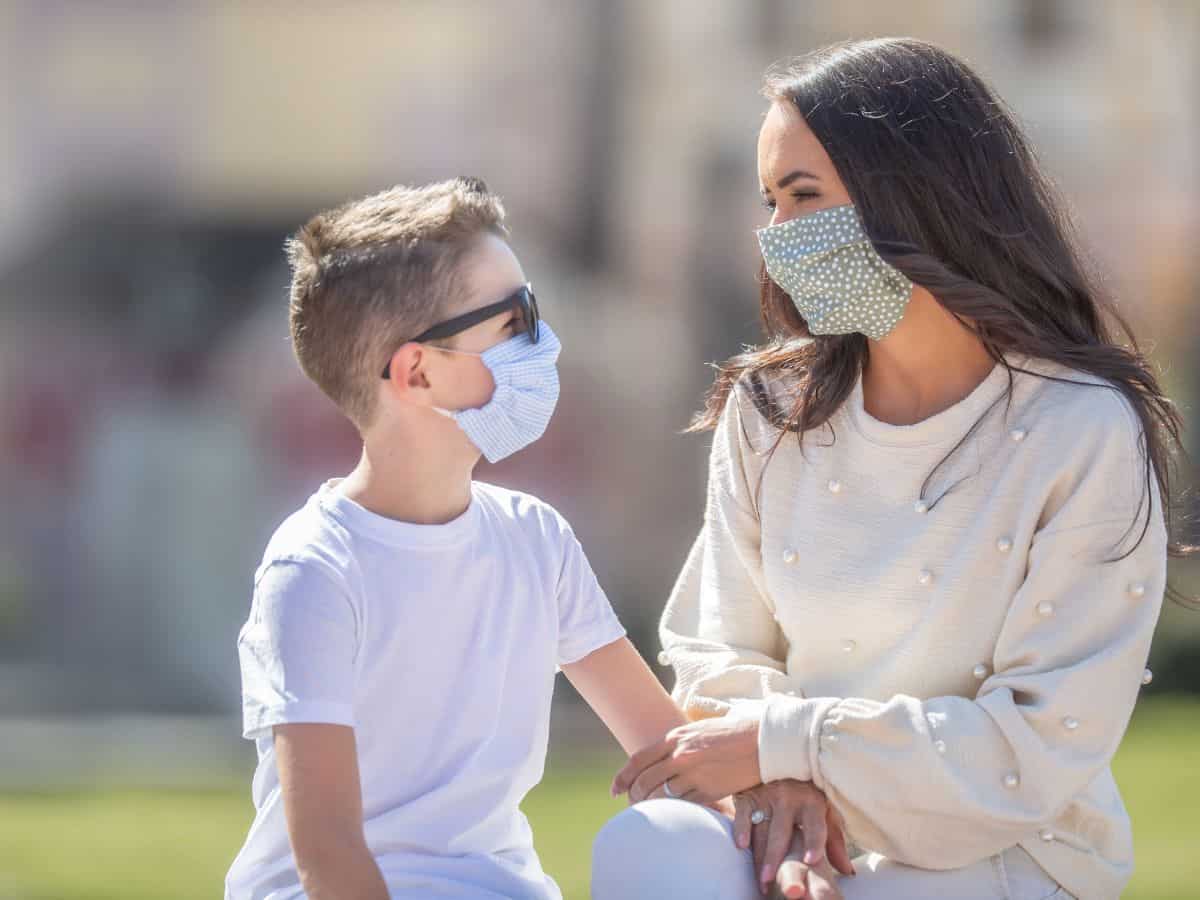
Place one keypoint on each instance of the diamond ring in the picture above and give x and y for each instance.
(758, 817)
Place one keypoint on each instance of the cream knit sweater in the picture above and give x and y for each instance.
(954, 668)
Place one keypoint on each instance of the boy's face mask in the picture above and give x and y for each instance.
(828, 266)
(526, 378)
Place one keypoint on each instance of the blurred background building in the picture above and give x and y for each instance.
(154, 427)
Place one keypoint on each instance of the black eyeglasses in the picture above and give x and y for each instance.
(521, 300)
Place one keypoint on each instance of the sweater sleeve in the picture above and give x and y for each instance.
(718, 629)
(946, 781)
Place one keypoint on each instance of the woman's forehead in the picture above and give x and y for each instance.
(786, 143)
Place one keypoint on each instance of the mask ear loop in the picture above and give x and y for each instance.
(450, 413)
(460, 352)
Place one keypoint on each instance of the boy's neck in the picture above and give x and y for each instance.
(405, 484)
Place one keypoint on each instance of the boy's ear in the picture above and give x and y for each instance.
(408, 373)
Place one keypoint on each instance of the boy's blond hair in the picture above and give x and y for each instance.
(374, 273)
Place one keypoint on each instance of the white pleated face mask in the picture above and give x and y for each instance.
(828, 266)
(526, 378)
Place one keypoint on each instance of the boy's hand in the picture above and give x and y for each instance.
(726, 806)
(795, 879)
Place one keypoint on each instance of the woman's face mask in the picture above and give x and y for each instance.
(828, 266)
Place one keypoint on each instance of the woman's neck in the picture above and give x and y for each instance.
(928, 363)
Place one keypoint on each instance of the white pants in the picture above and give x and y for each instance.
(671, 848)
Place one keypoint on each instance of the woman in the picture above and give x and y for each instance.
(934, 548)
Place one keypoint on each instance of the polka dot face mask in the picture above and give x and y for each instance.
(827, 265)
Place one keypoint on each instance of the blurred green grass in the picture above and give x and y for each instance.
(132, 844)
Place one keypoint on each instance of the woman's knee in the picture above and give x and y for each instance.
(664, 848)
(652, 832)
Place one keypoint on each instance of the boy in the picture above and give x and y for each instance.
(407, 622)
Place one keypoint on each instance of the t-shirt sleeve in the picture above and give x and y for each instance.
(586, 621)
(297, 649)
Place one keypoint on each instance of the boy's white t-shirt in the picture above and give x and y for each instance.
(439, 645)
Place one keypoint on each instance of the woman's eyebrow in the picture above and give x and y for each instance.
(793, 175)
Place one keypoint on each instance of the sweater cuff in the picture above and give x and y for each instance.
(746, 708)
(788, 737)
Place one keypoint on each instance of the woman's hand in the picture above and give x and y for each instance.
(783, 807)
(702, 761)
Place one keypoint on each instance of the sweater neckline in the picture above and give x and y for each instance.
(943, 427)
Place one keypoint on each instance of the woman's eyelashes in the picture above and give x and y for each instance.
(798, 196)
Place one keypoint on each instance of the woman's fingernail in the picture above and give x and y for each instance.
(766, 874)
(812, 857)
(741, 841)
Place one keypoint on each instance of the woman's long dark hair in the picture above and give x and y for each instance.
(951, 194)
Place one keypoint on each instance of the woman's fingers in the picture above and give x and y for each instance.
(655, 776)
(836, 850)
(812, 821)
(655, 794)
(780, 830)
(638, 763)
(742, 807)
(758, 844)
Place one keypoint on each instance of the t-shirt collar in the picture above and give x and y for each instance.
(357, 519)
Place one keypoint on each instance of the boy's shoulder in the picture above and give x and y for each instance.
(309, 538)
(518, 509)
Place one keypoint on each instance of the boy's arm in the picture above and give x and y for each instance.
(616, 683)
(322, 799)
